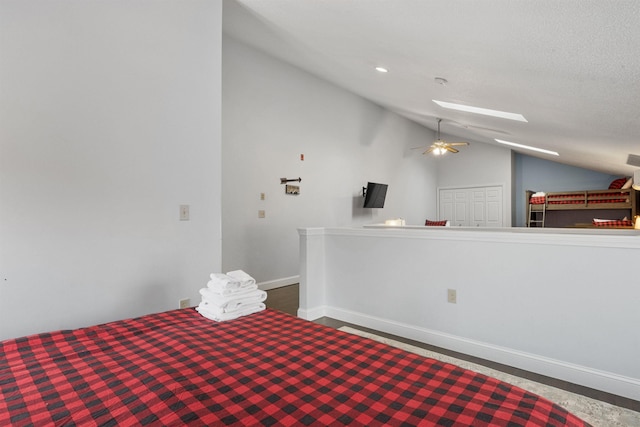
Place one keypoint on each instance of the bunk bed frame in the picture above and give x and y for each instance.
(607, 204)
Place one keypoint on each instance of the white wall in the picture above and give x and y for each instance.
(109, 120)
(272, 113)
(478, 165)
(546, 301)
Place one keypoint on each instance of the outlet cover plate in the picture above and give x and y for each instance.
(452, 296)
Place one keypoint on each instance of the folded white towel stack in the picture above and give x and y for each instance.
(229, 296)
(232, 314)
(242, 277)
(223, 281)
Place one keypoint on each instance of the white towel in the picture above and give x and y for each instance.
(212, 293)
(223, 281)
(210, 308)
(214, 288)
(232, 302)
(232, 315)
(242, 277)
(219, 311)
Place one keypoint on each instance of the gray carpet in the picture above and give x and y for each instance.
(595, 412)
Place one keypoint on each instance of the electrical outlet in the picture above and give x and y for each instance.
(260, 214)
(261, 196)
(452, 296)
(185, 303)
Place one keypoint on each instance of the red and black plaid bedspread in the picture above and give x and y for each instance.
(614, 223)
(587, 198)
(266, 369)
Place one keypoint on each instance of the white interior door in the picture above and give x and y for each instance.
(446, 206)
(471, 206)
(494, 206)
(478, 207)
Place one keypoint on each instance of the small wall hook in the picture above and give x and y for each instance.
(285, 180)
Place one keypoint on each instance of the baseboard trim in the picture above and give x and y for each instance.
(585, 376)
(312, 314)
(278, 283)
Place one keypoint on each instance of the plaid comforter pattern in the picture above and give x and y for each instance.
(269, 368)
(614, 223)
(430, 223)
(584, 198)
(538, 200)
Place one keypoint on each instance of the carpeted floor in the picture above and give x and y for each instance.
(595, 412)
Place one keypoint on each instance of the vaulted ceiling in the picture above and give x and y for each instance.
(571, 68)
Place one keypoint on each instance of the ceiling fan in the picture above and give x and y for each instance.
(440, 147)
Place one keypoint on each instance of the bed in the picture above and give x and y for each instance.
(579, 208)
(268, 368)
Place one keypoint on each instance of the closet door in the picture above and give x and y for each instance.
(494, 206)
(471, 206)
(454, 206)
(446, 206)
(478, 207)
(461, 208)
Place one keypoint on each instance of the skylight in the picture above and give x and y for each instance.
(484, 111)
(527, 147)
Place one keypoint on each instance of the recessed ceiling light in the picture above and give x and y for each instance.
(527, 147)
(484, 111)
(382, 69)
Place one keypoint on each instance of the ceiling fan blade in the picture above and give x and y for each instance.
(428, 150)
(422, 147)
(453, 150)
(458, 143)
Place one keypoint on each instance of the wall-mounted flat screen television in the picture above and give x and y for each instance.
(374, 195)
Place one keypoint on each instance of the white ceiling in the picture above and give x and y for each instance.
(571, 67)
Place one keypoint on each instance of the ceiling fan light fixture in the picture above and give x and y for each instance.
(527, 147)
(483, 111)
(440, 147)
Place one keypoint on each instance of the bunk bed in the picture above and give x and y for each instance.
(611, 208)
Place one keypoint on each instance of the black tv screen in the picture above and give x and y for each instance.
(375, 195)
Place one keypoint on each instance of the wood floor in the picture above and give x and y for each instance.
(284, 299)
(287, 299)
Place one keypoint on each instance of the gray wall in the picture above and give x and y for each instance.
(110, 119)
(272, 113)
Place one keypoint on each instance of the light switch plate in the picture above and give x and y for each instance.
(452, 296)
(184, 212)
